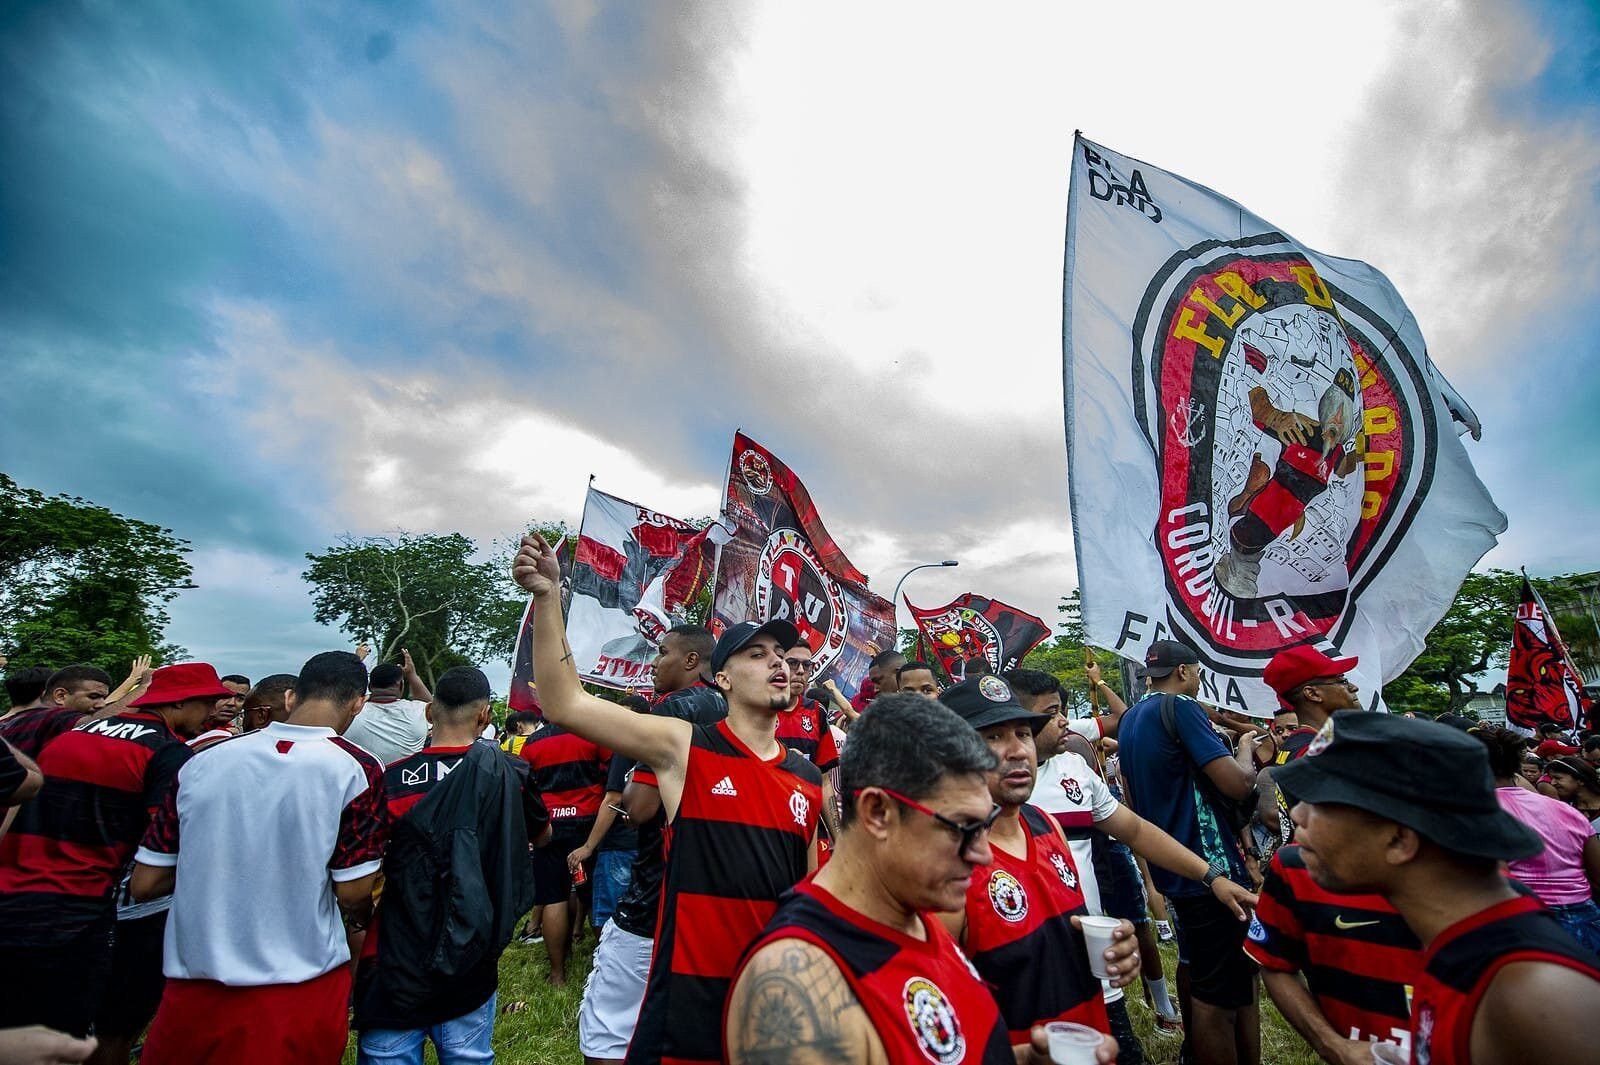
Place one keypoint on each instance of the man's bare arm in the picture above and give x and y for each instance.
(662, 743)
(792, 1006)
(1527, 1015)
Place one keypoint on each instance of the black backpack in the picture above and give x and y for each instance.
(1235, 813)
(456, 881)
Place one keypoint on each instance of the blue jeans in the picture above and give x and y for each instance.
(1582, 922)
(613, 872)
(467, 1039)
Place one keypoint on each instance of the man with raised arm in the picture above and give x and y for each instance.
(741, 810)
(856, 968)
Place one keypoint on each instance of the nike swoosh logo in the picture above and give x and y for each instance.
(1344, 926)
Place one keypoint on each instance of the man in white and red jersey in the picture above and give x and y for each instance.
(260, 972)
(741, 811)
(1502, 983)
(856, 967)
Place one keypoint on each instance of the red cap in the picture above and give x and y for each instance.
(174, 684)
(1294, 666)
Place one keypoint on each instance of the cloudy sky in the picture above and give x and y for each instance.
(273, 273)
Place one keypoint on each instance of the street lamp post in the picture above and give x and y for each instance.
(901, 583)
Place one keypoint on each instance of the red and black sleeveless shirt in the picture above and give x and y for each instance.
(738, 843)
(1020, 935)
(922, 996)
(1458, 966)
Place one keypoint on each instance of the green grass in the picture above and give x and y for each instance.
(546, 1033)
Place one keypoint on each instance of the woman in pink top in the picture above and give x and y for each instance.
(1566, 875)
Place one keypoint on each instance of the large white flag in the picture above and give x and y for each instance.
(1260, 452)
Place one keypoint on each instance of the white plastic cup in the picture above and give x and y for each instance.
(1097, 937)
(1072, 1044)
(1389, 1054)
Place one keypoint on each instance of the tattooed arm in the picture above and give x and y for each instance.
(792, 1006)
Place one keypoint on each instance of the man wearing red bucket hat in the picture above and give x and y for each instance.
(60, 862)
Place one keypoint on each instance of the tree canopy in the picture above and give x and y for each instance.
(81, 583)
(431, 594)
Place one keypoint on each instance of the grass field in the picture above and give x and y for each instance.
(546, 1032)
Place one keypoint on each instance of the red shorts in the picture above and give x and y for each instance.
(204, 1021)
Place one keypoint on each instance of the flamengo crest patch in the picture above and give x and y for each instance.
(934, 1022)
(1007, 896)
(1292, 459)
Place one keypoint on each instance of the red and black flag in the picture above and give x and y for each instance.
(974, 630)
(782, 563)
(1542, 685)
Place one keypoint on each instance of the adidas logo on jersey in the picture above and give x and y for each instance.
(724, 787)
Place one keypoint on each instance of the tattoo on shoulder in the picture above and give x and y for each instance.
(794, 1010)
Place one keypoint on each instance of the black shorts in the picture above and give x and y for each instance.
(552, 884)
(58, 986)
(1211, 943)
(136, 980)
(1121, 886)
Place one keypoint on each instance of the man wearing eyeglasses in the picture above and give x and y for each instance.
(855, 966)
(1017, 922)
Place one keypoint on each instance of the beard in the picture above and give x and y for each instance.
(780, 702)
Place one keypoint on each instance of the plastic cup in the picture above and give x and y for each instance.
(1072, 1044)
(1389, 1054)
(1097, 937)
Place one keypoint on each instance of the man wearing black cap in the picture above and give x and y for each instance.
(1017, 925)
(741, 810)
(1501, 982)
(1178, 774)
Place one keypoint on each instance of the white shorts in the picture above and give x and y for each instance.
(613, 992)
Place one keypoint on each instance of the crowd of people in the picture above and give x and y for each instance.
(195, 868)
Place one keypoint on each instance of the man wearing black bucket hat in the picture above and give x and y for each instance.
(741, 810)
(1501, 981)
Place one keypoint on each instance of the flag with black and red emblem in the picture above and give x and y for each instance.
(973, 628)
(781, 562)
(1542, 684)
(630, 575)
(1261, 452)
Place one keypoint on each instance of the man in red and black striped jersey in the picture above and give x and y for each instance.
(855, 966)
(1018, 923)
(570, 772)
(66, 851)
(803, 726)
(616, 985)
(402, 997)
(1358, 956)
(741, 811)
(71, 696)
(1501, 982)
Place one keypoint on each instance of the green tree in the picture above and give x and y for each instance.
(1473, 636)
(428, 593)
(1065, 658)
(81, 583)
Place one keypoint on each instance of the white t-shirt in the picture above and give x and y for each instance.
(390, 731)
(1068, 790)
(260, 828)
(1090, 728)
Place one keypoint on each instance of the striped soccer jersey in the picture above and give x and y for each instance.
(1359, 957)
(738, 842)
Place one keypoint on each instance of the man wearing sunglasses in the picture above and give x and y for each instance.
(1310, 687)
(856, 967)
(803, 727)
(1018, 923)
